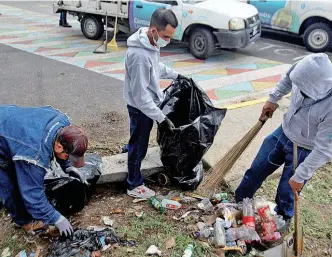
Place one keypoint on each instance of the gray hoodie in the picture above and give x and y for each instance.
(143, 71)
(308, 121)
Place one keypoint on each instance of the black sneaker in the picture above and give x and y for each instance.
(66, 25)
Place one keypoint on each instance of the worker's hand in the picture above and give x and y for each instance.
(296, 187)
(182, 77)
(267, 111)
(64, 227)
(74, 172)
(167, 125)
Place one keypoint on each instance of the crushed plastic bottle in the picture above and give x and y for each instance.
(205, 232)
(244, 233)
(189, 251)
(219, 233)
(156, 204)
(170, 204)
(205, 205)
(279, 221)
(248, 213)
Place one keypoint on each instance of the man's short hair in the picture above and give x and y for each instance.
(163, 17)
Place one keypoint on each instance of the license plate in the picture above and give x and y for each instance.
(255, 30)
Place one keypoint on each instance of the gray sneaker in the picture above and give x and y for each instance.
(141, 192)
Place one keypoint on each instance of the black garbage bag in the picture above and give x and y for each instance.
(197, 123)
(68, 194)
(86, 241)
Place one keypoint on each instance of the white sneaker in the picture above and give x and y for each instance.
(141, 192)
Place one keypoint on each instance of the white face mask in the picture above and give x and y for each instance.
(160, 42)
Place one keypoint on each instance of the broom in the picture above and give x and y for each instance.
(216, 174)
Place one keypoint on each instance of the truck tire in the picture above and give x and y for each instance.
(92, 27)
(202, 43)
(318, 37)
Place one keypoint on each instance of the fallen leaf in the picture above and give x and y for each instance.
(170, 243)
(130, 250)
(139, 214)
(209, 220)
(137, 200)
(118, 200)
(220, 253)
(117, 211)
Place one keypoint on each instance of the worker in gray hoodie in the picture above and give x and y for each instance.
(307, 123)
(142, 92)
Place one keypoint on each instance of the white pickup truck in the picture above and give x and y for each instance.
(204, 24)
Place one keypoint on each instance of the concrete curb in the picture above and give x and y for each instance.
(114, 168)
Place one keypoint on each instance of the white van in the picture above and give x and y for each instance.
(311, 19)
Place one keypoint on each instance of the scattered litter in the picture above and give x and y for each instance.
(138, 200)
(243, 233)
(188, 252)
(85, 243)
(129, 250)
(152, 250)
(156, 204)
(22, 254)
(107, 221)
(205, 205)
(184, 215)
(170, 243)
(6, 252)
(117, 211)
(229, 218)
(170, 204)
(139, 214)
(209, 220)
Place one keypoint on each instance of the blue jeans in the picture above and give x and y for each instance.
(275, 151)
(63, 16)
(12, 199)
(140, 128)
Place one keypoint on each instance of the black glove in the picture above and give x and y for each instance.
(182, 77)
(74, 172)
(167, 125)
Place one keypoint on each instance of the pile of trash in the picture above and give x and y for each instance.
(87, 242)
(231, 227)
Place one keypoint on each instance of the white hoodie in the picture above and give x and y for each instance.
(308, 121)
(143, 71)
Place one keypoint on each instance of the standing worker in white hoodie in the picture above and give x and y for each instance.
(142, 92)
(307, 123)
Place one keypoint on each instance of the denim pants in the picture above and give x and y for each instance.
(12, 199)
(275, 151)
(140, 128)
(63, 16)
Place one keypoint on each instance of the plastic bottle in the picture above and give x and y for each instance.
(205, 205)
(189, 251)
(244, 233)
(205, 232)
(248, 213)
(156, 204)
(219, 233)
(279, 221)
(170, 204)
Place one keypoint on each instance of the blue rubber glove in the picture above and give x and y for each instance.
(64, 227)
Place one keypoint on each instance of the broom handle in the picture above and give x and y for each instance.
(296, 207)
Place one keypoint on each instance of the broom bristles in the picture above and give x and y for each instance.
(216, 174)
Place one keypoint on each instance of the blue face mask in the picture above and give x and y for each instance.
(160, 42)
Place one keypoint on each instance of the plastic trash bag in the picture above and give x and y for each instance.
(68, 194)
(197, 123)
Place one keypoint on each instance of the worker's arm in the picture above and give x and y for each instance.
(167, 73)
(31, 185)
(139, 72)
(320, 155)
(283, 88)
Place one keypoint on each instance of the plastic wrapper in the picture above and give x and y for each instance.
(243, 233)
(197, 123)
(68, 194)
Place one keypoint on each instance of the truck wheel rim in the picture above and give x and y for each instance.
(318, 38)
(199, 43)
(90, 27)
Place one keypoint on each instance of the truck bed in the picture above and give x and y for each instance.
(97, 7)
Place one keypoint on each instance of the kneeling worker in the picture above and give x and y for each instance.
(30, 139)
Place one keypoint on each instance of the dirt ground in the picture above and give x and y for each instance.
(108, 137)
